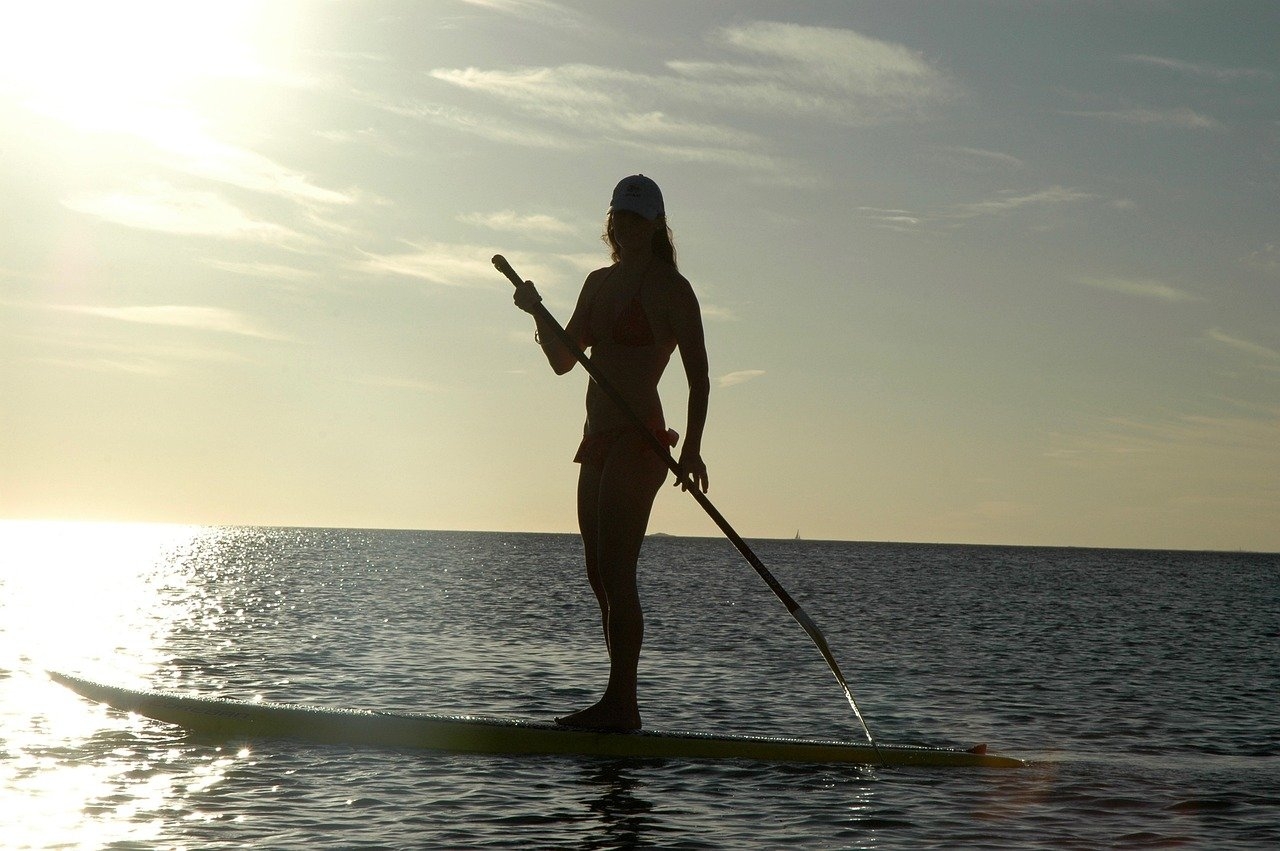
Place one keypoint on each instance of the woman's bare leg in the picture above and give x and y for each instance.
(624, 490)
(588, 525)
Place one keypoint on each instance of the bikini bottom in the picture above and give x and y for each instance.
(595, 447)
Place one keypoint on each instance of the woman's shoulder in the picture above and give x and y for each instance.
(673, 284)
(593, 281)
(668, 276)
(596, 276)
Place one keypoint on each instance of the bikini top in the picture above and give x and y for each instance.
(632, 327)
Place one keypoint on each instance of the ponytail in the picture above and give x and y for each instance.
(663, 244)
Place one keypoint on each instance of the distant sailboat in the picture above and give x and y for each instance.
(797, 534)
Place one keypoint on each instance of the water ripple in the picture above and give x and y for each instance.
(1138, 683)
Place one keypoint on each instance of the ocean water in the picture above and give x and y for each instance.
(1142, 686)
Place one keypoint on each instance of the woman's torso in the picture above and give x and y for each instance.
(631, 339)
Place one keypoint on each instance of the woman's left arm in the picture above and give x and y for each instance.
(686, 323)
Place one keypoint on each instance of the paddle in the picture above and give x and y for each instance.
(776, 587)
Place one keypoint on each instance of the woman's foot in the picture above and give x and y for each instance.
(608, 718)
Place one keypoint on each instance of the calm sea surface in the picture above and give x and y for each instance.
(1143, 686)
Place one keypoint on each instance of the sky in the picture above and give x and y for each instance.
(983, 271)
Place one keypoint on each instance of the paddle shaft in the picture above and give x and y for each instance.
(801, 617)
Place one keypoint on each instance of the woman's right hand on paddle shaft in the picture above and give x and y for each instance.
(526, 297)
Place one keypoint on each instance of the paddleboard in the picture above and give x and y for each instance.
(239, 720)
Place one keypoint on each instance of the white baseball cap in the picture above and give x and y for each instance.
(638, 194)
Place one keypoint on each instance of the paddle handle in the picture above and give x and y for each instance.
(504, 267)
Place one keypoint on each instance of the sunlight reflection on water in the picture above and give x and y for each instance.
(90, 593)
(88, 596)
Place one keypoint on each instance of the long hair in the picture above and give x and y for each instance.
(664, 246)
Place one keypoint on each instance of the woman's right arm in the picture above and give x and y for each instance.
(558, 355)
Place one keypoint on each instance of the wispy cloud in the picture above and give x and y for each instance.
(1199, 69)
(1002, 202)
(600, 100)
(977, 159)
(200, 154)
(762, 167)
(1266, 258)
(1008, 200)
(716, 313)
(159, 206)
(494, 127)
(1148, 288)
(904, 221)
(273, 271)
(544, 12)
(740, 377)
(1240, 344)
(827, 68)
(1180, 117)
(446, 264)
(582, 262)
(1236, 448)
(198, 318)
(536, 225)
(468, 265)
(812, 71)
(777, 70)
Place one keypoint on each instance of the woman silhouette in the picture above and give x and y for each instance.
(631, 315)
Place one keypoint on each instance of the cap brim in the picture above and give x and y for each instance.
(642, 210)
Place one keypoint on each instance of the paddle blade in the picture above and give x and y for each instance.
(820, 642)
